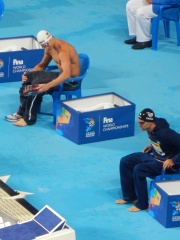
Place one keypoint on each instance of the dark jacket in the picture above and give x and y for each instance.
(165, 141)
(170, 13)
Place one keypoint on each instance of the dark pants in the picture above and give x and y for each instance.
(134, 169)
(30, 104)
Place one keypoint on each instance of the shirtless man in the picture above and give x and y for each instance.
(67, 61)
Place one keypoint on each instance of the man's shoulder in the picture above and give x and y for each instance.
(61, 42)
(63, 46)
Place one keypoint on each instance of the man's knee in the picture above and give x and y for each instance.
(132, 6)
(140, 171)
(123, 162)
(140, 13)
(128, 5)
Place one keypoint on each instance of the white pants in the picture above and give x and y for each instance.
(139, 14)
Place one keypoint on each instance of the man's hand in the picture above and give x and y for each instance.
(43, 88)
(147, 149)
(168, 163)
(24, 77)
(149, 1)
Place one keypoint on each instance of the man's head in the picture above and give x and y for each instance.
(43, 37)
(146, 119)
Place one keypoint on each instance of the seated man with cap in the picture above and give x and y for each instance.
(67, 60)
(162, 153)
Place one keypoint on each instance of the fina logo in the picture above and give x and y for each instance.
(17, 62)
(107, 120)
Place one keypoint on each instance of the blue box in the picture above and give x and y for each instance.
(95, 118)
(14, 61)
(164, 203)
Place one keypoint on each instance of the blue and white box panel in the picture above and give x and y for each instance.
(95, 118)
(18, 55)
(164, 203)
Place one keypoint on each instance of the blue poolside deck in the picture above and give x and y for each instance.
(81, 182)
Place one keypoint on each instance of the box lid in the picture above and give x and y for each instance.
(170, 187)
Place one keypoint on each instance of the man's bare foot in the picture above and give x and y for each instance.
(20, 123)
(122, 201)
(134, 209)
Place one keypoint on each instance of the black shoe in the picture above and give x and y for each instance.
(142, 45)
(131, 41)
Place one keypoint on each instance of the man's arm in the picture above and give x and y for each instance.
(65, 67)
(149, 1)
(44, 62)
(168, 164)
(40, 66)
(174, 140)
(148, 149)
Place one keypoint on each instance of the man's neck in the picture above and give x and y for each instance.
(151, 128)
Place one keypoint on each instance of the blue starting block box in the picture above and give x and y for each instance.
(18, 55)
(95, 118)
(164, 203)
